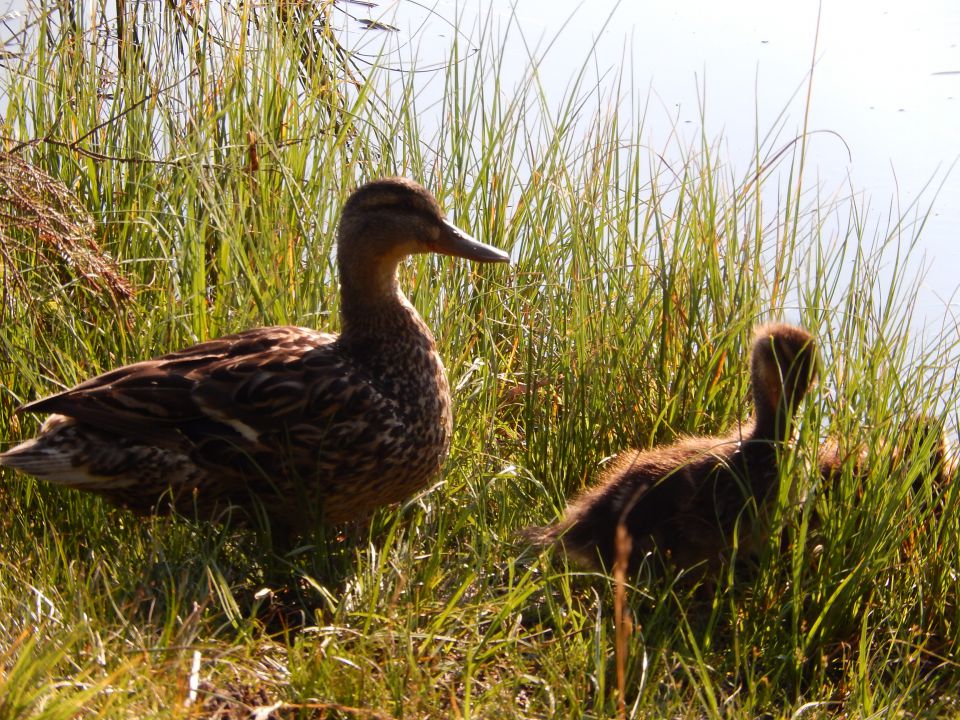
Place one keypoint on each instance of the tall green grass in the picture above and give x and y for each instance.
(213, 162)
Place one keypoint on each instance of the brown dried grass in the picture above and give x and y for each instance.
(43, 224)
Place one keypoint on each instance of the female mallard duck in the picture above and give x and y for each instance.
(685, 501)
(301, 423)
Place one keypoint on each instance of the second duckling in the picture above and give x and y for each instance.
(685, 501)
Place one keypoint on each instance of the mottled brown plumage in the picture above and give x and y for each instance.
(302, 423)
(686, 500)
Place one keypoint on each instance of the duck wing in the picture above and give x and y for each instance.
(240, 400)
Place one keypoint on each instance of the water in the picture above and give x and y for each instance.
(886, 85)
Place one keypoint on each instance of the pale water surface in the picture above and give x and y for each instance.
(886, 84)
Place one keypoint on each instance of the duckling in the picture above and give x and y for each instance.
(300, 424)
(685, 501)
(919, 447)
(923, 447)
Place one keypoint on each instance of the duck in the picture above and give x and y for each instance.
(685, 502)
(301, 425)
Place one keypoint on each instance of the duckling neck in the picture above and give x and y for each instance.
(772, 416)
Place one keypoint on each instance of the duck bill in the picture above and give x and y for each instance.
(458, 243)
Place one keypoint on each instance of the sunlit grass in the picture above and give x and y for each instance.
(214, 181)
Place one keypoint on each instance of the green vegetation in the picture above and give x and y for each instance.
(192, 174)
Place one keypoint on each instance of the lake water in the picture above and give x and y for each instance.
(886, 82)
(886, 85)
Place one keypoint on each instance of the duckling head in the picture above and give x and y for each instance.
(388, 219)
(783, 367)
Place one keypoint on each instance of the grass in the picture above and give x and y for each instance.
(210, 164)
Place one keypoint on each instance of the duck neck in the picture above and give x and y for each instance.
(368, 294)
(383, 334)
(375, 314)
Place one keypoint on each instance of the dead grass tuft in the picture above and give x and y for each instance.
(42, 218)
